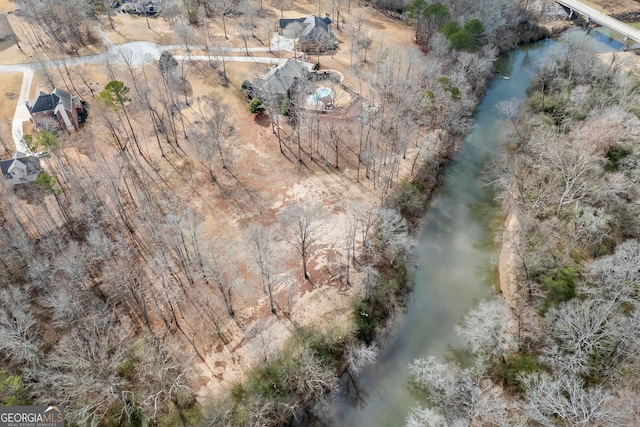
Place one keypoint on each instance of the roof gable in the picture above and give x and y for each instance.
(4, 167)
(30, 164)
(64, 96)
(278, 80)
(287, 21)
(48, 101)
(44, 102)
(313, 27)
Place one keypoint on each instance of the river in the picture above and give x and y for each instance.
(457, 258)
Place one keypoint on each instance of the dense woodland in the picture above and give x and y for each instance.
(563, 350)
(112, 289)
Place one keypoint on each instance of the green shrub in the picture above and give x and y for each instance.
(126, 368)
(409, 199)
(469, 37)
(48, 183)
(454, 91)
(184, 417)
(507, 373)
(184, 398)
(606, 247)
(614, 156)
(553, 106)
(373, 311)
(28, 139)
(461, 40)
(11, 390)
(285, 107)
(327, 347)
(559, 285)
(476, 30)
(256, 106)
(238, 392)
(136, 417)
(365, 321)
(450, 28)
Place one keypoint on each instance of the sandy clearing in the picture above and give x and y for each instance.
(627, 61)
(507, 264)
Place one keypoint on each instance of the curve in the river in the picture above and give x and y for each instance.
(455, 257)
(456, 254)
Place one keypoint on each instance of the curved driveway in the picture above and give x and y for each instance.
(133, 53)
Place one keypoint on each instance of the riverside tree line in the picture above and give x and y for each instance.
(562, 351)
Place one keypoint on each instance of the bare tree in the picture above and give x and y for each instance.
(293, 32)
(303, 223)
(262, 334)
(591, 337)
(223, 277)
(261, 239)
(248, 22)
(392, 240)
(511, 110)
(217, 129)
(223, 8)
(350, 231)
(485, 330)
(19, 341)
(459, 396)
(576, 164)
(282, 4)
(312, 378)
(361, 355)
(567, 399)
(191, 7)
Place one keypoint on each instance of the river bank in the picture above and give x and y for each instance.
(457, 256)
(387, 394)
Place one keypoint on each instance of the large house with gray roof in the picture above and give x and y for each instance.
(279, 82)
(313, 33)
(59, 107)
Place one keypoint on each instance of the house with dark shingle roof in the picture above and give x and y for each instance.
(20, 170)
(313, 33)
(278, 82)
(59, 106)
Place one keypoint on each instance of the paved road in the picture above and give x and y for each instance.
(255, 59)
(134, 53)
(602, 19)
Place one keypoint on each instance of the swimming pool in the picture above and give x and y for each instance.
(321, 93)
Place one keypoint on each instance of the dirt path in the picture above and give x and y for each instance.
(508, 260)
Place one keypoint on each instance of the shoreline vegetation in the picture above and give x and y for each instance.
(564, 327)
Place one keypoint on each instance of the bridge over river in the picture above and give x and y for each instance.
(600, 18)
